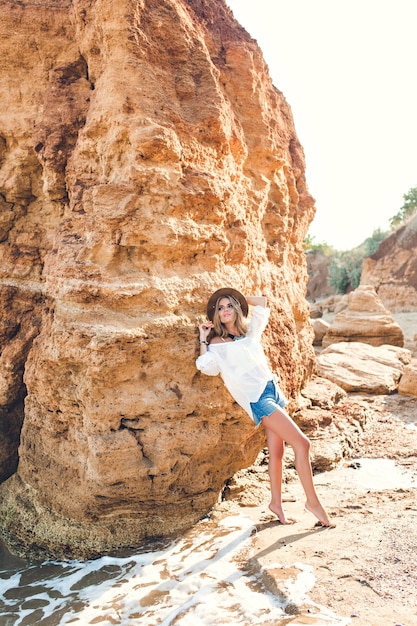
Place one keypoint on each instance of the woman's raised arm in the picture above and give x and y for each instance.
(256, 300)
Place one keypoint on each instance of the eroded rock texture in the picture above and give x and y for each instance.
(356, 366)
(145, 160)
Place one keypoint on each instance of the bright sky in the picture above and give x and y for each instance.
(348, 69)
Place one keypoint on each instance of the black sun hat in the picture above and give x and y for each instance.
(226, 291)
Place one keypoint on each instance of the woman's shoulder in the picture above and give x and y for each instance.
(216, 340)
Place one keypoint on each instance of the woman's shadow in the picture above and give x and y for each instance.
(287, 539)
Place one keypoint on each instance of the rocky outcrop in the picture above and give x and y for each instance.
(333, 422)
(318, 285)
(145, 160)
(19, 325)
(408, 382)
(365, 320)
(392, 270)
(361, 367)
(320, 328)
(330, 305)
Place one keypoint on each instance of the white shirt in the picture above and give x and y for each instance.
(242, 364)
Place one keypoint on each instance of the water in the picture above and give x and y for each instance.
(206, 577)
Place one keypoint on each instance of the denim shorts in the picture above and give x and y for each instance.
(271, 399)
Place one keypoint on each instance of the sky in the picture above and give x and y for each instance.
(348, 70)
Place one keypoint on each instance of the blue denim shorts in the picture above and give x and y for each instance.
(271, 399)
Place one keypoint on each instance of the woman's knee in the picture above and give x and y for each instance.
(303, 444)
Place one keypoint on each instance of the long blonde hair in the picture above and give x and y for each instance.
(219, 329)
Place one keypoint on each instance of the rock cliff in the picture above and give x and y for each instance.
(392, 270)
(318, 285)
(146, 159)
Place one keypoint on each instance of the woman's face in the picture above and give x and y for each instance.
(226, 311)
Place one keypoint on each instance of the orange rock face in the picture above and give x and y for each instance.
(145, 160)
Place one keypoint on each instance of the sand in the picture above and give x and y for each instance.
(365, 567)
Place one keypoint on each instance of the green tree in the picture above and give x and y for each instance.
(408, 208)
(345, 270)
(310, 245)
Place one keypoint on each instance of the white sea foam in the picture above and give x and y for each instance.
(205, 578)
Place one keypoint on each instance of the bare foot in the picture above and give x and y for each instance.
(321, 515)
(277, 510)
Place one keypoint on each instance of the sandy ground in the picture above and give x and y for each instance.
(365, 567)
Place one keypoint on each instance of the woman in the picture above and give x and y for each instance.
(231, 346)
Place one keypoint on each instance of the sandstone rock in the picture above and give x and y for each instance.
(332, 304)
(320, 328)
(322, 393)
(361, 367)
(19, 324)
(315, 312)
(333, 434)
(145, 160)
(408, 382)
(340, 304)
(392, 270)
(365, 320)
(333, 422)
(318, 275)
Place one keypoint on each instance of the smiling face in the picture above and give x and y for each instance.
(226, 311)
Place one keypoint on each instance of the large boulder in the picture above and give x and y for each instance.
(408, 382)
(365, 320)
(320, 328)
(361, 367)
(146, 159)
(333, 422)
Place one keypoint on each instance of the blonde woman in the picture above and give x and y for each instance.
(230, 345)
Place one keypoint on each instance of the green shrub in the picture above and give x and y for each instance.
(311, 246)
(345, 270)
(407, 210)
(371, 243)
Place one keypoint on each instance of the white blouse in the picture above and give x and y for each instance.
(242, 364)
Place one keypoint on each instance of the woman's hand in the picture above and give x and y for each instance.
(205, 329)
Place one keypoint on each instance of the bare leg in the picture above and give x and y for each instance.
(276, 449)
(280, 423)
